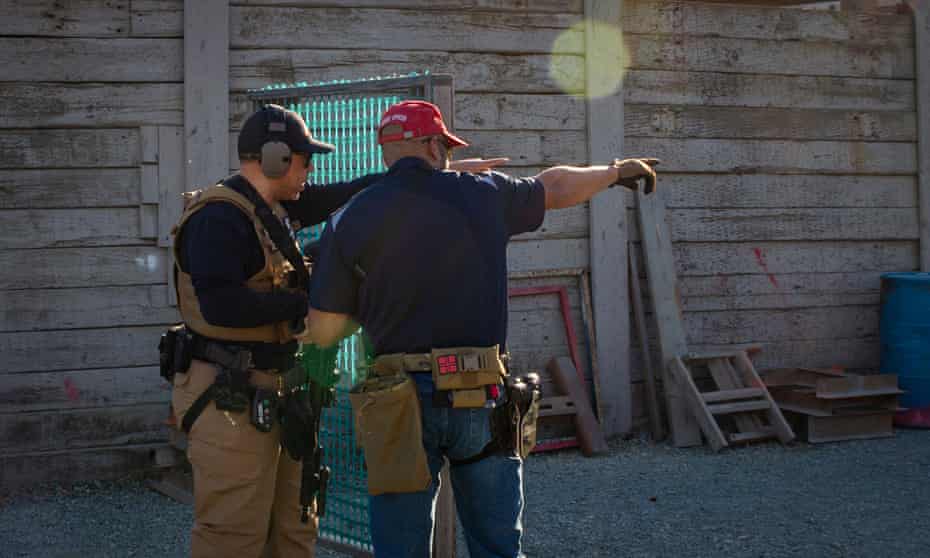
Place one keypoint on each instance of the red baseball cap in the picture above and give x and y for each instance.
(417, 119)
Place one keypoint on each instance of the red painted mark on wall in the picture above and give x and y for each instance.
(760, 259)
(71, 391)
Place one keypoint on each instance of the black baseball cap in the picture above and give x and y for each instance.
(274, 122)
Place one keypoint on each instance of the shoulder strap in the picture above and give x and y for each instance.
(276, 229)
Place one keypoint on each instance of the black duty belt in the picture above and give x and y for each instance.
(242, 356)
(236, 358)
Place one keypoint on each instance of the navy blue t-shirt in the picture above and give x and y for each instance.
(419, 259)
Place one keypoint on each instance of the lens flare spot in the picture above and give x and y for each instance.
(609, 59)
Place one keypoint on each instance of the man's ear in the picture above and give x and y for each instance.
(435, 153)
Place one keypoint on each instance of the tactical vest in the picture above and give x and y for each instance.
(273, 276)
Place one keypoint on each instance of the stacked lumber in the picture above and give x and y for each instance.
(828, 406)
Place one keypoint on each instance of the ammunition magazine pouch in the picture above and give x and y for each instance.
(175, 351)
(389, 429)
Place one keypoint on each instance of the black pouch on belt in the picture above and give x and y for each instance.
(298, 424)
(514, 423)
(232, 391)
(174, 351)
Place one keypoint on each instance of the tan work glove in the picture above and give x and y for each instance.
(631, 171)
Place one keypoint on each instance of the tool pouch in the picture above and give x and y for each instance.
(513, 424)
(389, 428)
(175, 351)
(466, 367)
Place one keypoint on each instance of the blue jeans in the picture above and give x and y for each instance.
(488, 493)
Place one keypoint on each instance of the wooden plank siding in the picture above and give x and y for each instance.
(789, 170)
(83, 291)
(507, 103)
(789, 154)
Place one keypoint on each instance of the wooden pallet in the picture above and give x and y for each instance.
(830, 406)
(738, 394)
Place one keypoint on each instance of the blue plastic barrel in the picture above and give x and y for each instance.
(905, 335)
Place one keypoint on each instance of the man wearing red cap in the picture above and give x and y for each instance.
(242, 294)
(419, 260)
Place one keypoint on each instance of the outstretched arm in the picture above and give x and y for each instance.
(567, 186)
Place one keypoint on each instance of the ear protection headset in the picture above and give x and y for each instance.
(275, 154)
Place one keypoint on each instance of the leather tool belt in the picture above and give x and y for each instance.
(463, 371)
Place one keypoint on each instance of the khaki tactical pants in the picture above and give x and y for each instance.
(246, 488)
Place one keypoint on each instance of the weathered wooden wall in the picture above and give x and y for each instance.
(90, 122)
(506, 103)
(789, 158)
(789, 172)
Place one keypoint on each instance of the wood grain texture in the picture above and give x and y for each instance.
(674, 121)
(689, 87)
(571, 222)
(787, 191)
(547, 254)
(83, 428)
(608, 225)
(51, 228)
(206, 102)
(82, 148)
(739, 225)
(453, 30)
(795, 324)
(752, 56)
(489, 73)
(69, 188)
(779, 291)
(922, 46)
(536, 148)
(701, 258)
(31, 59)
(172, 180)
(65, 19)
(44, 351)
(41, 105)
(755, 22)
(671, 330)
(532, 73)
(62, 467)
(522, 112)
(79, 389)
(557, 6)
(157, 18)
(83, 267)
(50, 309)
(776, 156)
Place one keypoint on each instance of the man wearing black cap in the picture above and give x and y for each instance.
(242, 293)
(242, 297)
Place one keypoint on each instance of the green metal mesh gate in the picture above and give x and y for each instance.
(347, 114)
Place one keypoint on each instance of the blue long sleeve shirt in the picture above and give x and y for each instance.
(221, 252)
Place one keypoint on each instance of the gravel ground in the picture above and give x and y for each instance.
(852, 499)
